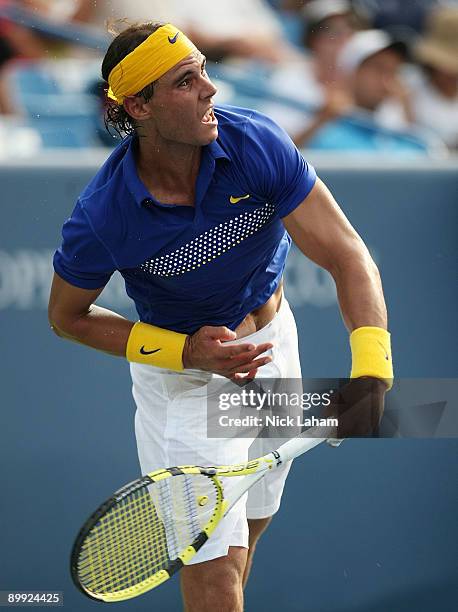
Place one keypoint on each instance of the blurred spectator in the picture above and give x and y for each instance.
(435, 91)
(289, 5)
(227, 28)
(28, 43)
(314, 80)
(237, 28)
(290, 14)
(369, 63)
(396, 15)
(62, 10)
(108, 11)
(22, 42)
(18, 42)
(6, 53)
(328, 26)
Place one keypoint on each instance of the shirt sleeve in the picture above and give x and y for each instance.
(82, 260)
(277, 169)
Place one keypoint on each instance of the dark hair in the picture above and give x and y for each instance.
(116, 116)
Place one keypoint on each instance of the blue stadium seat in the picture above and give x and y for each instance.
(31, 78)
(62, 119)
(59, 105)
(69, 132)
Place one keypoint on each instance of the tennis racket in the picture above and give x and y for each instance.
(146, 531)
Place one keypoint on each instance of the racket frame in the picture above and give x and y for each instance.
(184, 557)
(252, 471)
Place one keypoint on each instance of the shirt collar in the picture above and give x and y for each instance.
(217, 151)
(136, 187)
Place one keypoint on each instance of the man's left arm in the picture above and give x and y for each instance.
(323, 234)
(321, 231)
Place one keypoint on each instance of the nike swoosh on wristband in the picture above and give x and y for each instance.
(143, 352)
(234, 200)
(385, 351)
(173, 40)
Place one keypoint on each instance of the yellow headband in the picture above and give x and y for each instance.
(150, 60)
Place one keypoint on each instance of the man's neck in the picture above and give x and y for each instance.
(168, 170)
(325, 70)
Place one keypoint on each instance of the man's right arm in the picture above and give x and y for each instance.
(74, 316)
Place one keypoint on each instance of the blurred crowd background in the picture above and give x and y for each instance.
(338, 75)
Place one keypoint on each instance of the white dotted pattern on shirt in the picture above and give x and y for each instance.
(209, 245)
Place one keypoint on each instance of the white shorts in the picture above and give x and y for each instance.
(171, 429)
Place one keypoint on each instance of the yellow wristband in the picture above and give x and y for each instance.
(155, 346)
(371, 354)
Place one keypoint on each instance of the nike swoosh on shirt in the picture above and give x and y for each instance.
(173, 40)
(233, 200)
(143, 352)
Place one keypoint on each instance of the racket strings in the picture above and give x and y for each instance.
(193, 515)
(122, 544)
(145, 532)
(177, 502)
(166, 504)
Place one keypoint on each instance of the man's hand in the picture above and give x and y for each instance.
(337, 102)
(358, 406)
(207, 349)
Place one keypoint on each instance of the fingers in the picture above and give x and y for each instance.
(243, 358)
(243, 371)
(246, 368)
(222, 333)
(209, 351)
(244, 352)
(245, 377)
(249, 361)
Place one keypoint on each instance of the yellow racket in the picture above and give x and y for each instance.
(150, 528)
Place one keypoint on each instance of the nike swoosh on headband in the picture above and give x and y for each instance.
(173, 40)
(143, 352)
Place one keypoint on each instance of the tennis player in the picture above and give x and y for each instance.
(196, 208)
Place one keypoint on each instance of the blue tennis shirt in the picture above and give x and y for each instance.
(189, 266)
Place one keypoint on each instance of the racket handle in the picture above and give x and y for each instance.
(335, 442)
(297, 446)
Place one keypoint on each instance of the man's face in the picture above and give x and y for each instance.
(330, 36)
(182, 103)
(374, 78)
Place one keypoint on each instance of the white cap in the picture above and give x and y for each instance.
(364, 44)
(317, 10)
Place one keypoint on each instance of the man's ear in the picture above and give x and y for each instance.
(137, 108)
